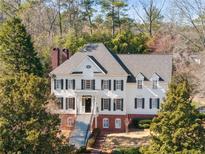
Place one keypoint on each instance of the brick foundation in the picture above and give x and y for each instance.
(65, 126)
(111, 123)
(64, 121)
(112, 118)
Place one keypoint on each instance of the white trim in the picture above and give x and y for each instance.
(97, 65)
(70, 122)
(119, 125)
(108, 123)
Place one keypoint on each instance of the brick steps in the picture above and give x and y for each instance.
(99, 144)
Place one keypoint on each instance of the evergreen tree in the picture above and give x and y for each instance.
(177, 128)
(16, 49)
(127, 42)
(25, 126)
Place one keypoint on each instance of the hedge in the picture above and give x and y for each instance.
(142, 123)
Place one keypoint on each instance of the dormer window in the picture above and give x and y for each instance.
(139, 84)
(155, 84)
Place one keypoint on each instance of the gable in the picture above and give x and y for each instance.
(141, 76)
(88, 67)
(101, 57)
(156, 76)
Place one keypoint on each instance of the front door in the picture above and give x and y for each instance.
(88, 105)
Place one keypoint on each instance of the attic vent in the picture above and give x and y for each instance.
(88, 66)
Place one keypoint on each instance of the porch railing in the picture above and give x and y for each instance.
(90, 123)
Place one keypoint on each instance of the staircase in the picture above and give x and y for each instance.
(80, 134)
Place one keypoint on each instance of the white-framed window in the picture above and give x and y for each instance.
(70, 84)
(70, 122)
(154, 103)
(155, 84)
(88, 84)
(139, 84)
(139, 103)
(105, 84)
(70, 103)
(106, 104)
(118, 123)
(57, 84)
(60, 103)
(105, 123)
(118, 104)
(118, 84)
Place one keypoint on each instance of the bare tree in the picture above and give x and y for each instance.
(194, 13)
(152, 15)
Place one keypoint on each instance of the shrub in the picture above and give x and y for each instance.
(93, 136)
(141, 123)
(144, 123)
(126, 151)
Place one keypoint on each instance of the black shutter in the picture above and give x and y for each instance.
(93, 84)
(61, 83)
(82, 84)
(102, 104)
(74, 103)
(143, 103)
(135, 103)
(66, 103)
(61, 103)
(55, 84)
(114, 108)
(109, 84)
(114, 84)
(73, 83)
(150, 103)
(122, 105)
(109, 104)
(158, 103)
(122, 86)
(102, 85)
(66, 84)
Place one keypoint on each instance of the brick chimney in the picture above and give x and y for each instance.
(65, 55)
(58, 57)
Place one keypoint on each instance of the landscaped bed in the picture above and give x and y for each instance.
(123, 140)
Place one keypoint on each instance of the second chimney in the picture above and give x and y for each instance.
(58, 57)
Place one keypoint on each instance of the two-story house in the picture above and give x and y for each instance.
(105, 90)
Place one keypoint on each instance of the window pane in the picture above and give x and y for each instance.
(70, 84)
(106, 103)
(105, 123)
(117, 123)
(70, 122)
(154, 84)
(60, 103)
(139, 84)
(58, 84)
(70, 103)
(139, 102)
(105, 84)
(118, 104)
(154, 102)
(118, 84)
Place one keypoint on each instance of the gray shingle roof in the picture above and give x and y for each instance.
(120, 65)
(148, 65)
(100, 53)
